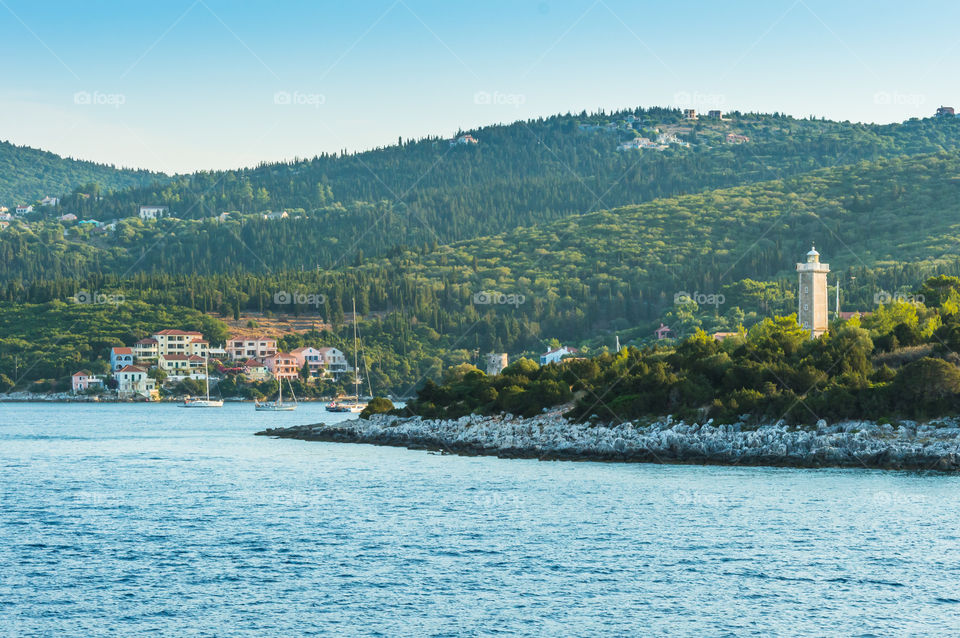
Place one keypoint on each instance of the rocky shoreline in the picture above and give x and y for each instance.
(853, 444)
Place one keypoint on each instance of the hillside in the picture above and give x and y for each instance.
(883, 226)
(28, 174)
(525, 173)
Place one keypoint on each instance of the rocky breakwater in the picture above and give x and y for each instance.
(908, 446)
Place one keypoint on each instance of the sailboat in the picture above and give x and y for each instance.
(203, 403)
(278, 405)
(356, 405)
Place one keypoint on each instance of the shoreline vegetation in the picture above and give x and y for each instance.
(552, 437)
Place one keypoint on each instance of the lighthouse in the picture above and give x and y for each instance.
(812, 295)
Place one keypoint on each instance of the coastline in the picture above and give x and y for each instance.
(550, 437)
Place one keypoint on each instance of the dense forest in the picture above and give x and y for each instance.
(900, 362)
(28, 174)
(427, 191)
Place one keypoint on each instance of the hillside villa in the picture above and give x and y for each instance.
(282, 366)
(120, 358)
(251, 347)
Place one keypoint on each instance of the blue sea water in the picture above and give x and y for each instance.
(149, 519)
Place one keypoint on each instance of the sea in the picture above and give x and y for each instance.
(148, 519)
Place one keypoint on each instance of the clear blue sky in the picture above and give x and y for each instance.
(193, 84)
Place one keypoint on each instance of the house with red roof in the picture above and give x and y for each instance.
(282, 365)
(180, 342)
(255, 371)
(180, 363)
(120, 357)
(132, 381)
(251, 347)
(82, 380)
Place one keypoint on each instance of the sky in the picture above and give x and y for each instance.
(186, 85)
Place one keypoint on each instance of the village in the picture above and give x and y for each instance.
(165, 359)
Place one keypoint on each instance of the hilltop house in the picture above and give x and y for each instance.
(945, 111)
(662, 332)
(554, 356)
(463, 140)
(717, 115)
(49, 201)
(152, 212)
(736, 138)
(256, 347)
(83, 379)
(69, 217)
(689, 114)
(282, 366)
(276, 215)
(120, 358)
(23, 210)
(132, 380)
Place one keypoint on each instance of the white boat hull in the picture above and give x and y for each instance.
(202, 403)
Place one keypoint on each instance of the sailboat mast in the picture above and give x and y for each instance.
(206, 373)
(356, 369)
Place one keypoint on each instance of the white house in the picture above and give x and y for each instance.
(334, 361)
(257, 347)
(133, 380)
(276, 215)
(152, 212)
(554, 356)
(23, 210)
(83, 379)
(180, 342)
(69, 217)
(310, 356)
(120, 358)
(180, 363)
(49, 201)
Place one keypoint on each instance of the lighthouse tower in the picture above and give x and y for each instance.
(812, 307)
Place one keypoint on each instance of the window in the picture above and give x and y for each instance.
(805, 307)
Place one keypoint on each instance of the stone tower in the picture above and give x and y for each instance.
(812, 308)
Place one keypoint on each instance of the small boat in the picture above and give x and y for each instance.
(333, 406)
(203, 403)
(278, 405)
(355, 406)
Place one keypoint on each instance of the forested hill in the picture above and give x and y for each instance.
(28, 174)
(890, 223)
(531, 172)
